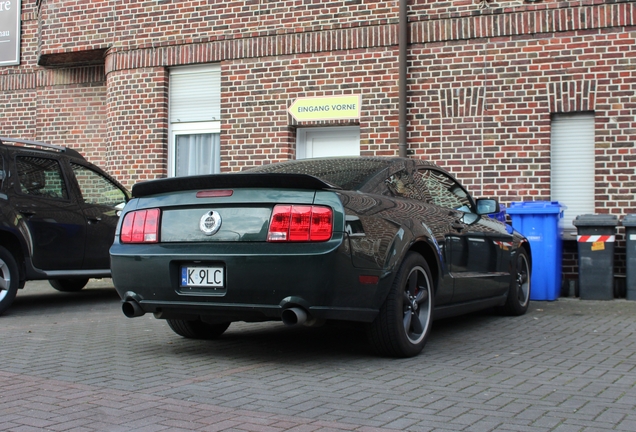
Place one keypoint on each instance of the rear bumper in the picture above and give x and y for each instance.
(223, 312)
(261, 280)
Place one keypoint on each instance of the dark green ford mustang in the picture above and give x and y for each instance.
(390, 242)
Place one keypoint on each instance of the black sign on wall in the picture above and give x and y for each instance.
(10, 32)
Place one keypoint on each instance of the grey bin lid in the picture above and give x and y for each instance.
(629, 220)
(592, 220)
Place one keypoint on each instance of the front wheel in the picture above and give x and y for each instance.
(402, 327)
(8, 279)
(519, 291)
(68, 285)
(197, 329)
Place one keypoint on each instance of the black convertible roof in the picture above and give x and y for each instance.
(347, 173)
(222, 181)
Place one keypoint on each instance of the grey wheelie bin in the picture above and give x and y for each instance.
(595, 236)
(629, 222)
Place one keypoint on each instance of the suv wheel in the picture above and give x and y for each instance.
(8, 279)
(68, 285)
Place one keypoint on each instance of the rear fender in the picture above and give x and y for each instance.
(424, 245)
(12, 243)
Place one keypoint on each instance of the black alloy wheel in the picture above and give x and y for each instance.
(402, 327)
(519, 293)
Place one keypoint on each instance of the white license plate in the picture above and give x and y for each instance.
(194, 276)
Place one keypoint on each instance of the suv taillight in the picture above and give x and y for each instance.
(141, 226)
(300, 223)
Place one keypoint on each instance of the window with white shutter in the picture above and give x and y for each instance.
(195, 120)
(572, 164)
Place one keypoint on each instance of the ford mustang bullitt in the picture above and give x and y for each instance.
(390, 242)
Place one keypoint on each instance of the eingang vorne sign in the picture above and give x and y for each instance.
(326, 108)
(10, 32)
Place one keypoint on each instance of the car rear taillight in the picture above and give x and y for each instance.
(141, 226)
(300, 223)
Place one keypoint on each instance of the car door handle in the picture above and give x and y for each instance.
(94, 220)
(27, 213)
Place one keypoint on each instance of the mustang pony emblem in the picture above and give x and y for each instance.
(210, 223)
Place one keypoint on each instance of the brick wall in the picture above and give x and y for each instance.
(487, 108)
(70, 111)
(68, 25)
(137, 124)
(258, 128)
(59, 106)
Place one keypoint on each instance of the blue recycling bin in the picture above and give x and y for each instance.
(539, 222)
(500, 215)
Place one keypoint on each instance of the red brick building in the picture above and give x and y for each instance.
(524, 100)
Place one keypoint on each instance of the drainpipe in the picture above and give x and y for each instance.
(403, 41)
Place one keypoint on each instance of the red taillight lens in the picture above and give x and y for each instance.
(321, 224)
(300, 223)
(279, 224)
(214, 193)
(140, 226)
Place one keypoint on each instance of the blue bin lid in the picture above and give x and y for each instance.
(535, 207)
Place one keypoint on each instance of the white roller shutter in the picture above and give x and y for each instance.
(195, 94)
(572, 169)
(327, 142)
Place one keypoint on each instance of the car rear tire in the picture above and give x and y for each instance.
(519, 292)
(402, 327)
(8, 279)
(197, 329)
(68, 285)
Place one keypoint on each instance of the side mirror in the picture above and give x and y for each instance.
(487, 206)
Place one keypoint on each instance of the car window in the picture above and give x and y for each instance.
(41, 177)
(97, 189)
(430, 186)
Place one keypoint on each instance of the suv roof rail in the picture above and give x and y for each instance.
(61, 149)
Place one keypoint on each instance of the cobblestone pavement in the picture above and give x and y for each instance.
(73, 362)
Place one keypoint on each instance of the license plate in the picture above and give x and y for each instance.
(195, 276)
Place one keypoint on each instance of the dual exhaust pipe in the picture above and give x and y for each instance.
(131, 307)
(290, 316)
(294, 316)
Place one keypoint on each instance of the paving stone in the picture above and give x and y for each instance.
(75, 363)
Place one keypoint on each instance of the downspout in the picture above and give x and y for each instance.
(402, 60)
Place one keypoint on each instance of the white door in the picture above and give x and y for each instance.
(326, 142)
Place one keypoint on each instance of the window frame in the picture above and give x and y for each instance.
(200, 128)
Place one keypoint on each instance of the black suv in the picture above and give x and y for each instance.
(58, 215)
